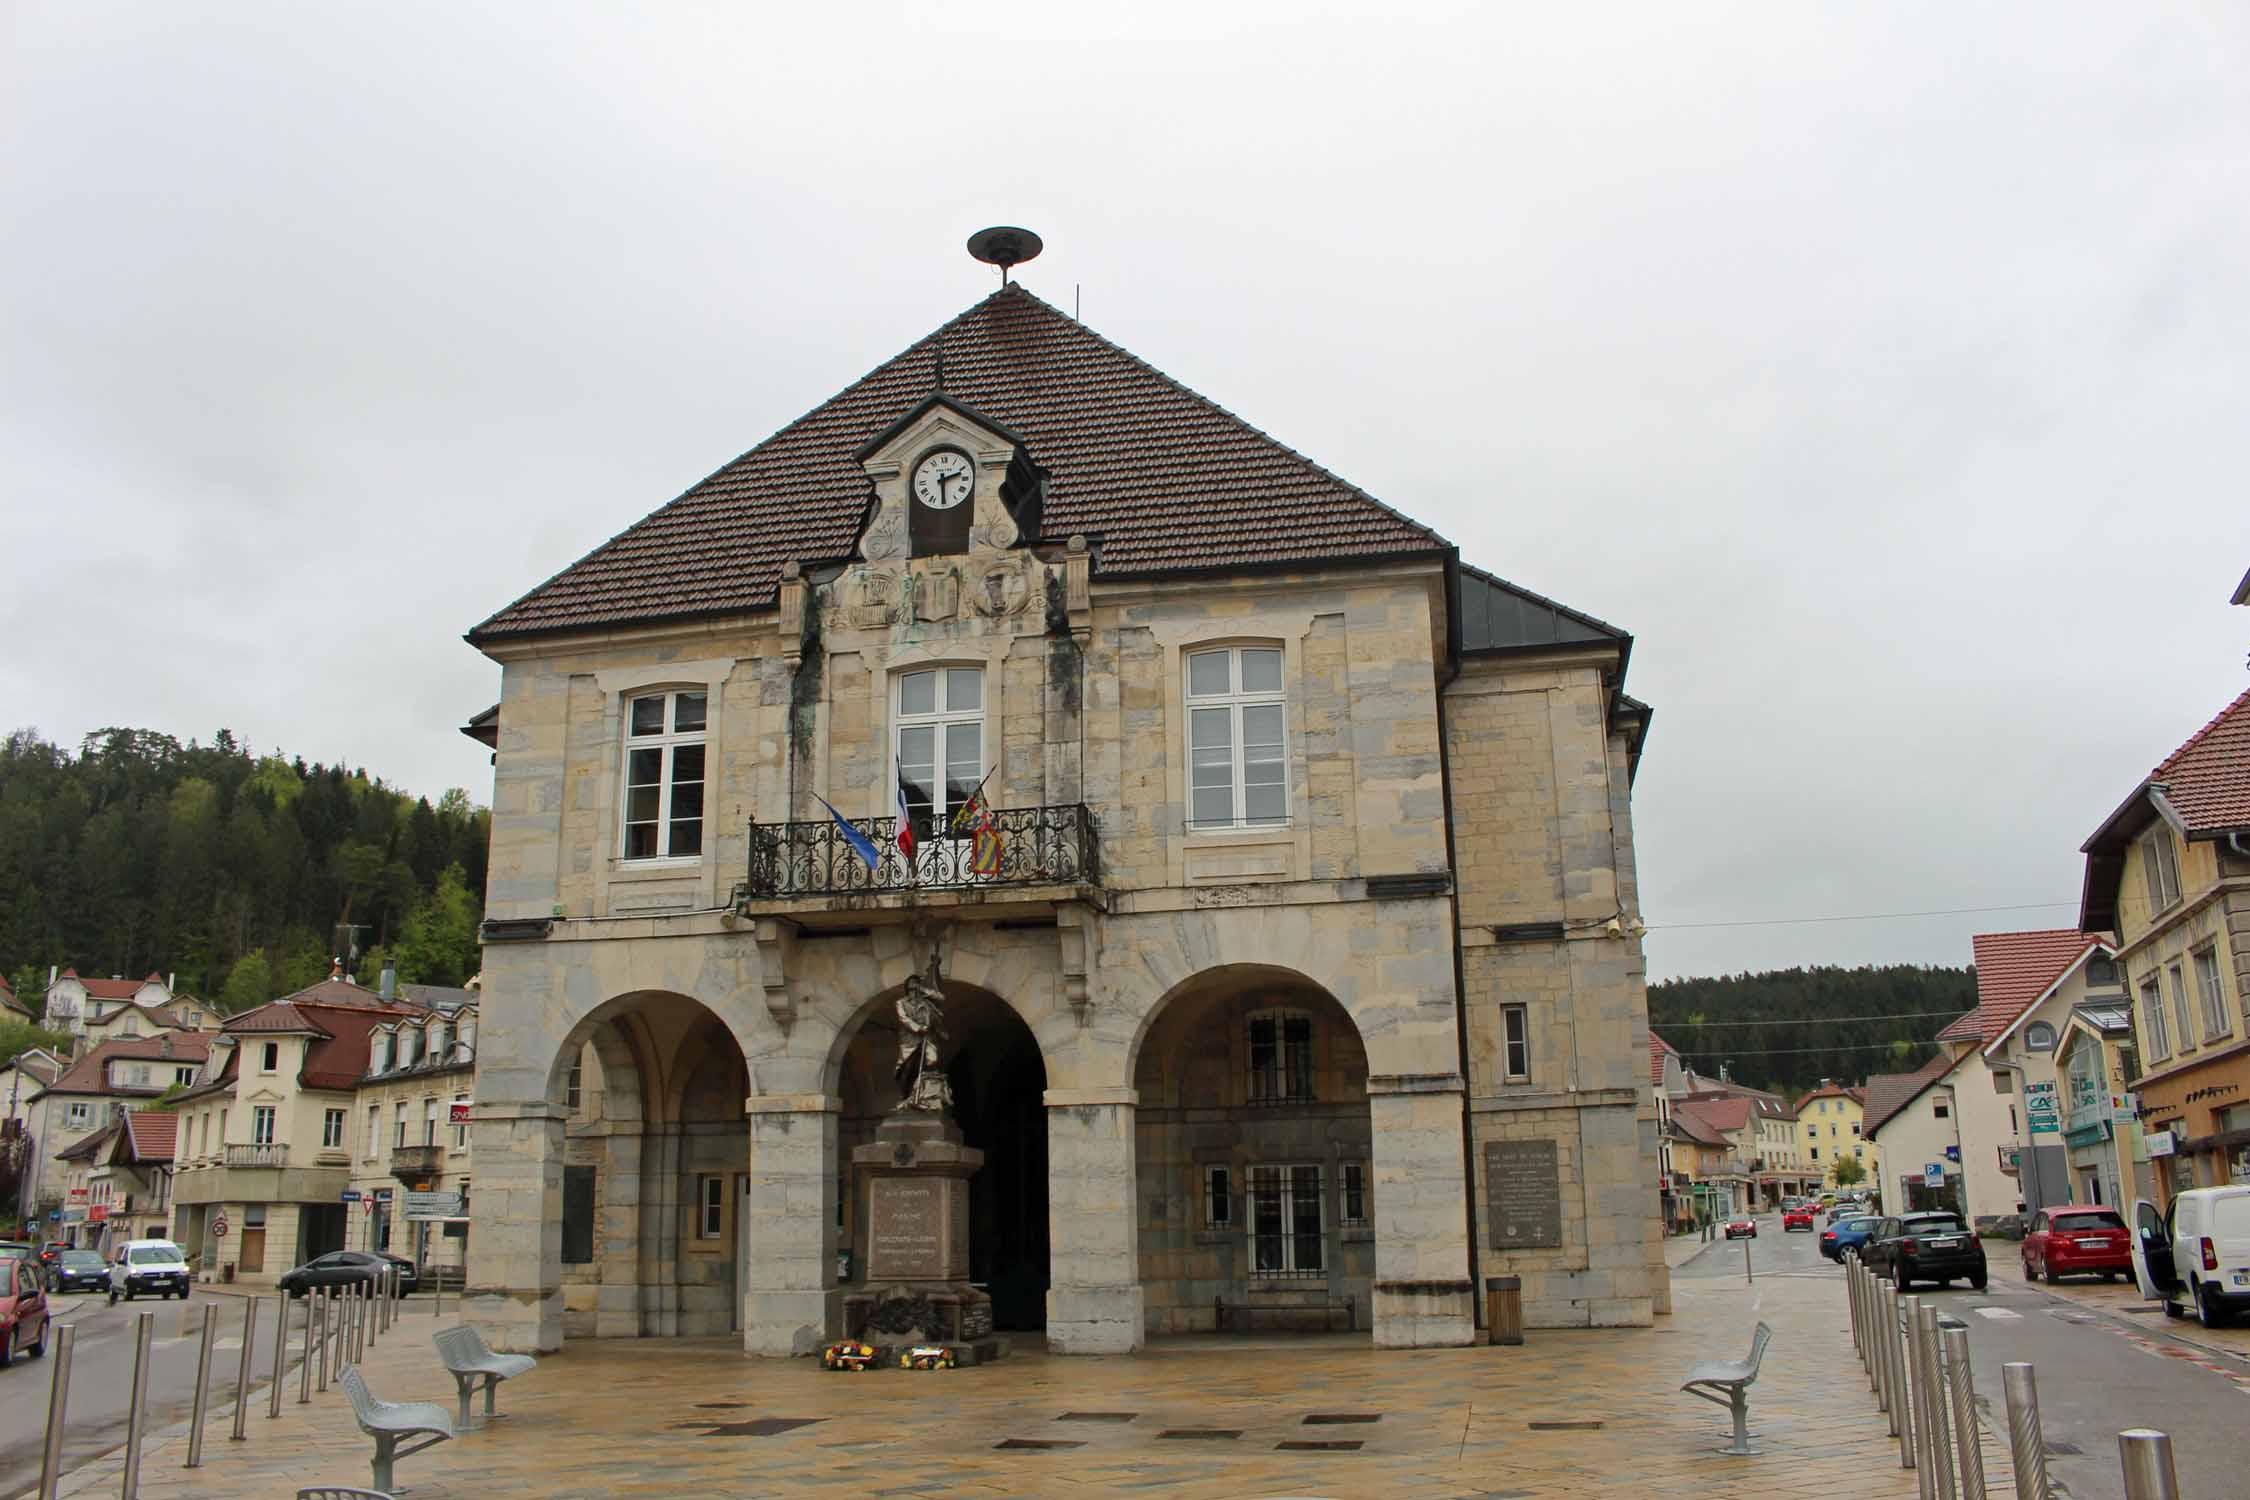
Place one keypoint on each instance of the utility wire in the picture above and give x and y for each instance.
(1873, 916)
(1916, 1015)
(1733, 1052)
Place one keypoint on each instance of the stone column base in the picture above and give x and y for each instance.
(1424, 1314)
(1095, 1319)
(787, 1324)
(515, 1322)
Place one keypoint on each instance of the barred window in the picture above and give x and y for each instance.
(1218, 1198)
(1352, 1181)
(1285, 1221)
(1281, 1059)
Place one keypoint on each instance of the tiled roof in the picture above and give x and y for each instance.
(338, 1015)
(112, 989)
(1161, 479)
(88, 1075)
(1888, 1093)
(37, 1063)
(1658, 1048)
(2207, 780)
(151, 1134)
(1687, 1119)
(1722, 1112)
(2013, 970)
(90, 1147)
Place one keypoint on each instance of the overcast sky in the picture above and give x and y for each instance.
(1882, 368)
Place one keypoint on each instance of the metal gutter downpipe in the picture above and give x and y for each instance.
(1451, 672)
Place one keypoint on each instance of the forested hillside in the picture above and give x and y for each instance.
(1787, 1029)
(235, 871)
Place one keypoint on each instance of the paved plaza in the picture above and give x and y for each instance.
(1579, 1413)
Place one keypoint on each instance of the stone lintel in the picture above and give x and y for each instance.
(1415, 1083)
(1486, 1104)
(1072, 1098)
(793, 1104)
(529, 1109)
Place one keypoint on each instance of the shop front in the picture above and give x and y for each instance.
(2196, 1123)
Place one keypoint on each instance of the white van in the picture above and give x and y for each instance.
(148, 1266)
(2196, 1256)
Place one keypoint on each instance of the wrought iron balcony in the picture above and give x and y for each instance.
(1027, 846)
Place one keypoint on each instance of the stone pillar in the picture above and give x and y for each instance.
(617, 1239)
(656, 1269)
(1423, 1296)
(514, 1294)
(793, 1305)
(1094, 1269)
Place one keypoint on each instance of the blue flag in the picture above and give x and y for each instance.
(862, 845)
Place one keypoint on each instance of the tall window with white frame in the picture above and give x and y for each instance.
(665, 742)
(1238, 758)
(2181, 1008)
(2207, 983)
(2160, 862)
(937, 742)
(2152, 1015)
(1286, 1237)
(1515, 1043)
(332, 1130)
(261, 1125)
(713, 1207)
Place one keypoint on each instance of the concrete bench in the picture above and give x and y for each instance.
(1327, 1307)
(1727, 1383)
(468, 1359)
(388, 1422)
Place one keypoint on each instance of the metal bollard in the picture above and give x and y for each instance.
(1960, 1387)
(136, 1413)
(320, 1365)
(281, 1351)
(58, 1399)
(2027, 1445)
(202, 1384)
(437, 1296)
(1899, 1313)
(2145, 1456)
(242, 1371)
(1929, 1405)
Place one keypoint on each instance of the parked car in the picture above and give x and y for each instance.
(2074, 1240)
(1800, 1217)
(2196, 1254)
(18, 1248)
(343, 1267)
(1744, 1228)
(50, 1250)
(1931, 1246)
(1840, 1240)
(78, 1270)
(148, 1266)
(23, 1309)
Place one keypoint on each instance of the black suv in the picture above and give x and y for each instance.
(78, 1271)
(1925, 1247)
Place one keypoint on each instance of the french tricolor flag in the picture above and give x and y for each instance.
(905, 821)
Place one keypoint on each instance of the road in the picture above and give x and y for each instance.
(101, 1377)
(2099, 1373)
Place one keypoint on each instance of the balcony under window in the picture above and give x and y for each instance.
(1028, 856)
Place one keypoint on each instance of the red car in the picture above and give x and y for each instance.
(1796, 1218)
(23, 1309)
(2073, 1241)
(1742, 1229)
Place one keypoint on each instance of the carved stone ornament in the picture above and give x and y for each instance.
(1002, 589)
(871, 595)
(1229, 895)
(886, 534)
(939, 596)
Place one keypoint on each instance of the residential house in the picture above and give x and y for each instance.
(412, 1106)
(1910, 1120)
(1769, 1140)
(1665, 1076)
(1830, 1128)
(2169, 872)
(132, 1176)
(1707, 1147)
(264, 1145)
(94, 1091)
(22, 1078)
(1304, 909)
(74, 1004)
(12, 1008)
(2096, 1061)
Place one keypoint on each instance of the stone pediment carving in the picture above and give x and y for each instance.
(1003, 473)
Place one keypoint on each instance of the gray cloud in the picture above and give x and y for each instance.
(1881, 368)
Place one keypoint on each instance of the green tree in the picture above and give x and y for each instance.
(1848, 1172)
(21, 1036)
(249, 983)
(439, 942)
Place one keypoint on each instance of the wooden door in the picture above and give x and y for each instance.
(254, 1249)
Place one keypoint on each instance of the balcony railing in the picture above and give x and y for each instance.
(411, 1163)
(257, 1156)
(1026, 846)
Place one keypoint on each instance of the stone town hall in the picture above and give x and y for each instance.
(1292, 966)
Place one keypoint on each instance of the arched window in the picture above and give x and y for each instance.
(937, 742)
(2039, 1037)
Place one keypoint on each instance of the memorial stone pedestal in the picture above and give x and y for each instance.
(917, 1173)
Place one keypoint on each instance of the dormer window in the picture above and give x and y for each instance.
(2160, 862)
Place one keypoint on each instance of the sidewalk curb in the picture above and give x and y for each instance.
(2163, 1328)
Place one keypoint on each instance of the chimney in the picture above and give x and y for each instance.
(172, 979)
(52, 971)
(389, 991)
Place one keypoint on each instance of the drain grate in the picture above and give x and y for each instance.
(1341, 1418)
(1097, 1416)
(1039, 1444)
(1319, 1445)
(1202, 1434)
(1565, 1426)
(760, 1426)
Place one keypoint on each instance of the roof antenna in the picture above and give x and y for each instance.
(1004, 246)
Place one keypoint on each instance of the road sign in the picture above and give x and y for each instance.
(351, 1195)
(432, 1205)
(1933, 1174)
(219, 1227)
(1953, 1153)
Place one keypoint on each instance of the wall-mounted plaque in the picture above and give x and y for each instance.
(1522, 1194)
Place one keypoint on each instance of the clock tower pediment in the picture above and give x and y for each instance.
(949, 482)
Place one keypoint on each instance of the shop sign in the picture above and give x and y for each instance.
(2124, 1107)
(457, 1113)
(2042, 1108)
(98, 1214)
(2161, 1142)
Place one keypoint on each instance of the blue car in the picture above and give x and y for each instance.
(1846, 1236)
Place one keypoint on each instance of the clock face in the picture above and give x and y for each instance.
(943, 480)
